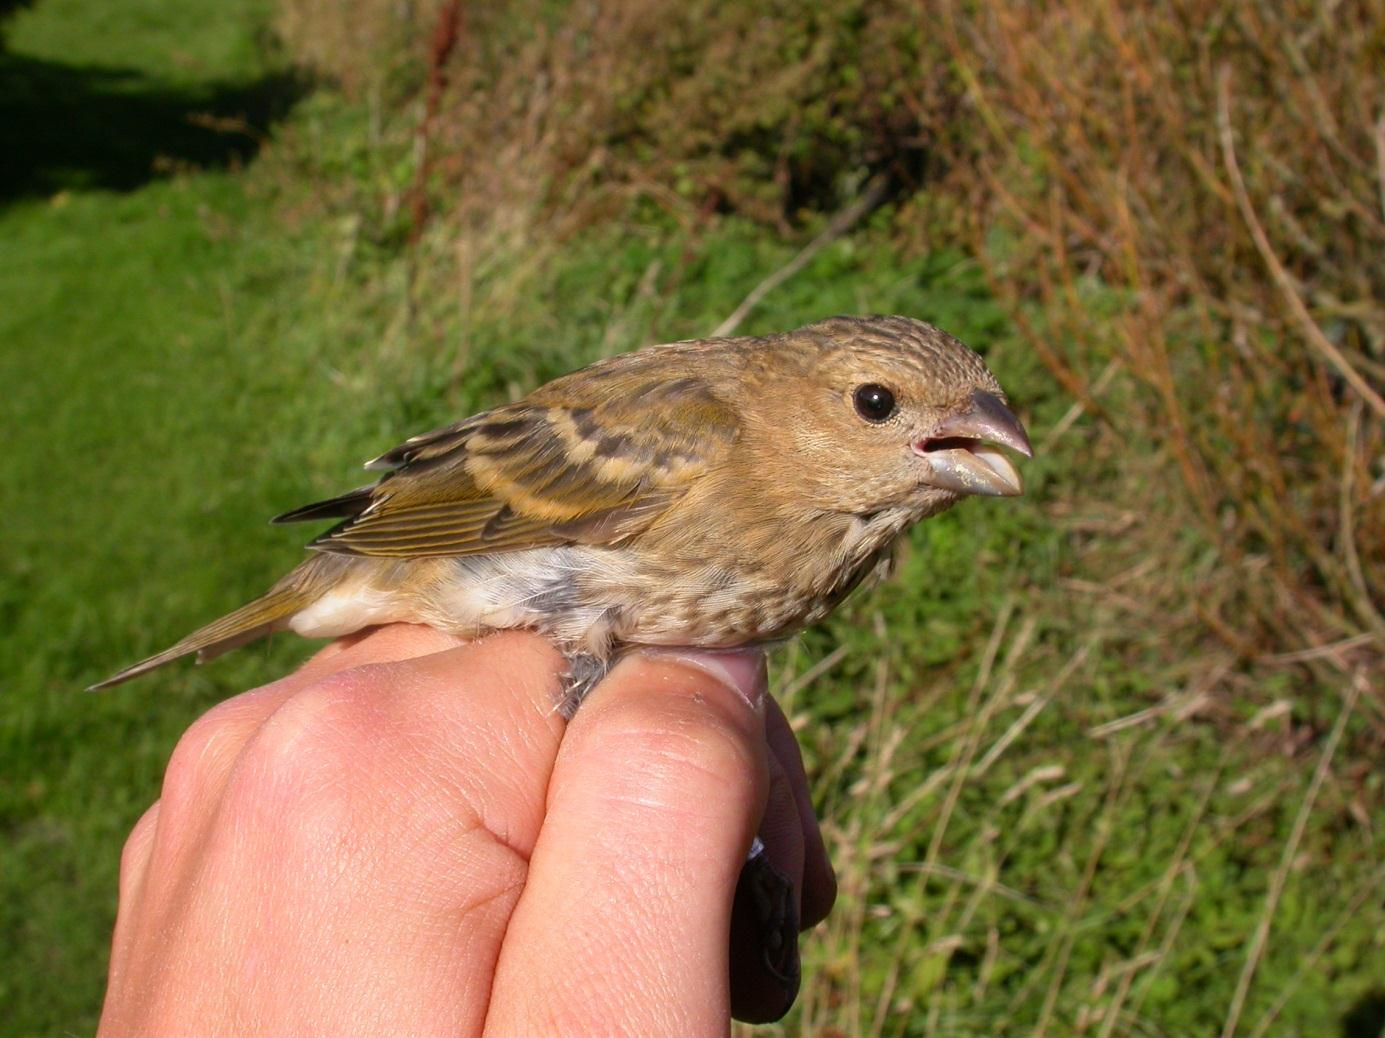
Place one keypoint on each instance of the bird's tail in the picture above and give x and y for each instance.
(269, 613)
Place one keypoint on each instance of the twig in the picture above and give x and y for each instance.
(1311, 331)
(958, 766)
(817, 670)
(1105, 827)
(1332, 650)
(839, 225)
(1256, 948)
(1380, 159)
(1309, 964)
(967, 751)
(948, 872)
(1075, 412)
(443, 42)
(1178, 867)
(1355, 577)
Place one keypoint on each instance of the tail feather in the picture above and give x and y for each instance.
(347, 506)
(251, 621)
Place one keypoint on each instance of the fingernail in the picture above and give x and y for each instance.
(741, 670)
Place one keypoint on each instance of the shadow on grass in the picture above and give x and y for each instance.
(66, 126)
(1366, 1019)
(9, 7)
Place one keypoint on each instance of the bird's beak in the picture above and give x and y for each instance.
(961, 451)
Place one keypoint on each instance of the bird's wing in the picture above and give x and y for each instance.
(592, 461)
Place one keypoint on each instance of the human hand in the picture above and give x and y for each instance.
(401, 838)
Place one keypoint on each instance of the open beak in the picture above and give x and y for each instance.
(962, 451)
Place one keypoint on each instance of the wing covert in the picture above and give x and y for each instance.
(556, 468)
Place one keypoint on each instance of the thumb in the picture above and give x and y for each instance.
(658, 786)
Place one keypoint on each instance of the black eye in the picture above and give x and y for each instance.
(873, 403)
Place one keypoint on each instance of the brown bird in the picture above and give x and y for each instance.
(714, 493)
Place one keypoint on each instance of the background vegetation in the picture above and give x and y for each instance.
(1102, 761)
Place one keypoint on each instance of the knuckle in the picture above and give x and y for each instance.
(677, 757)
(306, 768)
(329, 779)
(135, 852)
(202, 755)
(711, 754)
(320, 731)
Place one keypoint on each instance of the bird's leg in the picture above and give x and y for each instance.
(584, 670)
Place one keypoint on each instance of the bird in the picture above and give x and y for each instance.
(715, 493)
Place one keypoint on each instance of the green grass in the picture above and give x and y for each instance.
(187, 44)
(193, 353)
(153, 383)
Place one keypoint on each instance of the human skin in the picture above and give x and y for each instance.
(404, 837)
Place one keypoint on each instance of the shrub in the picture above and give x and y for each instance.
(1216, 169)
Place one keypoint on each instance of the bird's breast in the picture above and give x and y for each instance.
(758, 588)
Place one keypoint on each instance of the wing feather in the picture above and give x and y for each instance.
(591, 461)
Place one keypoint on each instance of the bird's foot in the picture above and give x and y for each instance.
(584, 670)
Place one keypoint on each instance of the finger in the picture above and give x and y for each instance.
(472, 715)
(378, 645)
(450, 754)
(818, 886)
(480, 719)
(203, 760)
(377, 826)
(207, 751)
(134, 857)
(134, 865)
(788, 887)
(764, 920)
(781, 830)
(654, 798)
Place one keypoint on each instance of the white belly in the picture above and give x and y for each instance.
(471, 594)
(345, 611)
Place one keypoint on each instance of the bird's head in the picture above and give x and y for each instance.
(889, 412)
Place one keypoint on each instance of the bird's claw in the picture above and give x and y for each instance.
(583, 673)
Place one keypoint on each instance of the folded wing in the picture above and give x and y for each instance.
(591, 459)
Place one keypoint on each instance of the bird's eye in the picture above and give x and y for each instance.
(873, 403)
